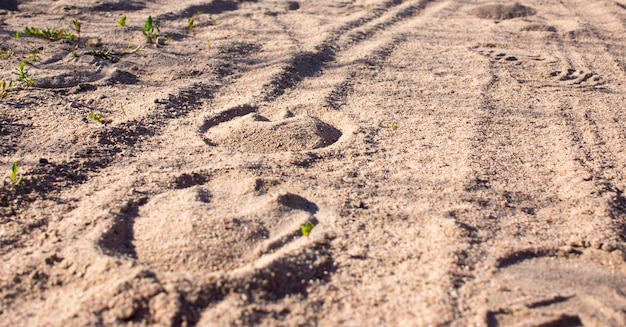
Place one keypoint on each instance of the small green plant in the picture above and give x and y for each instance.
(22, 75)
(99, 119)
(394, 127)
(75, 38)
(34, 53)
(96, 117)
(150, 31)
(77, 25)
(16, 35)
(122, 21)
(5, 87)
(49, 33)
(104, 55)
(17, 180)
(6, 54)
(306, 229)
(190, 25)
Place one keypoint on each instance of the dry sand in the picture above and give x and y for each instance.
(498, 200)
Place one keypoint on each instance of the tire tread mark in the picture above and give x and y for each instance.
(307, 64)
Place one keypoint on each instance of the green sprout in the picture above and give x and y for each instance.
(105, 55)
(77, 25)
(307, 228)
(16, 35)
(22, 75)
(17, 180)
(74, 38)
(6, 54)
(5, 87)
(151, 31)
(49, 33)
(190, 24)
(122, 21)
(96, 117)
(394, 127)
(99, 119)
(34, 53)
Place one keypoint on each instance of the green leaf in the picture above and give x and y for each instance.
(306, 229)
(96, 117)
(394, 126)
(14, 169)
(122, 21)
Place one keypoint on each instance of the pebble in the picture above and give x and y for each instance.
(293, 5)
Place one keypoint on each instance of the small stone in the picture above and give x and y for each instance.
(43, 161)
(93, 42)
(293, 5)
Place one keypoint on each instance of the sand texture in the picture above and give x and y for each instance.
(497, 201)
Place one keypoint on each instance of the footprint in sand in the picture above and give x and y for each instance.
(210, 225)
(556, 291)
(577, 77)
(503, 11)
(518, 56)
(85, 70)
(251, 132)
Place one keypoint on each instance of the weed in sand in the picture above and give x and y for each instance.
(99, 119)
(104, 55)
(122, 21)
(96, 117)
(22, 75)
(190, 25)
(74, 38)
(6, 54)
(5, 87)
(34, 53)
(49, 33)
(394, 127)
(17, 180)
(77, 25)
(150, 31)
(16, 35)
(306, 229)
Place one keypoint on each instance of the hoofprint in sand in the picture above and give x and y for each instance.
(462, 162)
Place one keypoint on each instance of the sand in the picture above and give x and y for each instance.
(497, 201)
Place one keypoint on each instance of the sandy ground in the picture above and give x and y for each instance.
(497, 201)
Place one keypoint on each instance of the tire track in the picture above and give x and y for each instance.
(520, 185)
(605, 25)
(307, 64)
(597, 156)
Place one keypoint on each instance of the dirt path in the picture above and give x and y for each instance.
(497, 201)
